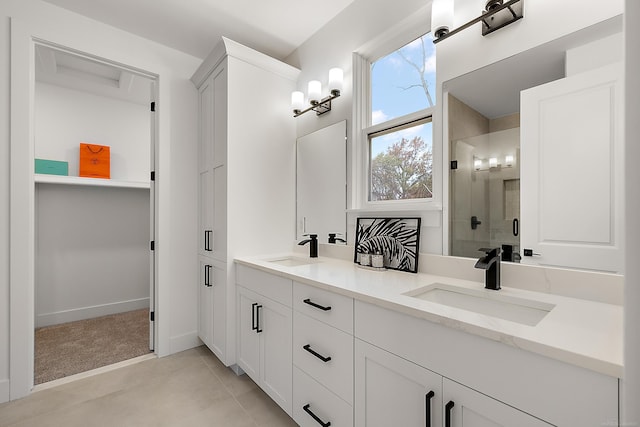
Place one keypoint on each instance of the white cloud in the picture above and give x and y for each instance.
(378, 116)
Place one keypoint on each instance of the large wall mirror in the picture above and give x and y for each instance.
(321, 183)
(491, 177)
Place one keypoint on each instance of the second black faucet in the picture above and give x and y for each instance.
(313, 244)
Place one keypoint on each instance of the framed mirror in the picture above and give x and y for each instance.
(321, 183)
(504, 191)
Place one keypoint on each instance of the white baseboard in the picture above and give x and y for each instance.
(81, 313)
(184, 342)
(4, 391)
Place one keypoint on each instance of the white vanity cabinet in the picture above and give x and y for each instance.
(246, 149)
(322, 357)
(391, 391)
(264, 332)
(493, 382)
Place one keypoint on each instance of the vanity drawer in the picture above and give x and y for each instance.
(275, 287)
(328, 307)
(313, 343)
(322, 403)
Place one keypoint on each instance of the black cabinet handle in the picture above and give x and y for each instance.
(253, 316)
(315, 417)
(316, 305)
(447, 414)
(258, 330)
(427, 407)
(318, 355)
(516, 227)
(207, 240)
(207, 275)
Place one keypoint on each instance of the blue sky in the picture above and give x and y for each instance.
(389, 99)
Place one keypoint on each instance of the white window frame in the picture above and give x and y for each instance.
(396, 37)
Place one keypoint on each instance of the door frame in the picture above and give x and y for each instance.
(21, 203)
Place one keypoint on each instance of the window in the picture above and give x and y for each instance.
(400, 162)
(397, 136)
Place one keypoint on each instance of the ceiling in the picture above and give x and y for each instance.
(274, 27)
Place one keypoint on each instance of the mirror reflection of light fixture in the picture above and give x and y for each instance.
(317, 103)
(508, 160)
(477, 164)
(497, 14)
(493, 162)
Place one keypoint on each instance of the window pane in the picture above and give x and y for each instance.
(404, 81)
(401, 163)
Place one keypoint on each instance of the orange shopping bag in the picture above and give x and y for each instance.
(95, 161)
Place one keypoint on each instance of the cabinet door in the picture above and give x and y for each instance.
(205, 302)
(205, 213)
(465, 407)
(248, 345)
(572, 171)
(275, 323)
(391, 391)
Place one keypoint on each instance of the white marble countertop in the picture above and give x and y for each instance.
(580, 332)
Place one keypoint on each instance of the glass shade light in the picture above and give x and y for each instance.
(508, 160)
(493, 162)
(441, 17)
(297, 100)
(315, 91)
(477, 164)
(335, 80)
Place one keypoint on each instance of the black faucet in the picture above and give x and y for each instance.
(491, 264)
(334, 239)
(313, 247)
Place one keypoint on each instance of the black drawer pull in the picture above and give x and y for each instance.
(427, 407)
(318, 306)
(253, 316)
(258, 329)
(318, 355)
(207, 240)
(447, 415)
(207, 276)
(315, 417)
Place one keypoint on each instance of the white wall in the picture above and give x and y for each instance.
(631, 381)
(20, 20)
(92, 252)
(66, 117)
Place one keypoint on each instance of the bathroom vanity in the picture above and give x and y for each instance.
(331, 342)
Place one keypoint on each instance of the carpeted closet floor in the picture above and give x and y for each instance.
(74, 347)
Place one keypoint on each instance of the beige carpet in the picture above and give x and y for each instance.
(70, 348)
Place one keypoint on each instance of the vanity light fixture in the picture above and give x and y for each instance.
(493, 162)
(317, 103)
(508, 160)
(477, 164)
(497, 14)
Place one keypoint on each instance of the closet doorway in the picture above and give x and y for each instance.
(94, 258)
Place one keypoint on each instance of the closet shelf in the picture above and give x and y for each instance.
(96, 182)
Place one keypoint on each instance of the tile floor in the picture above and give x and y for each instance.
(189, 389)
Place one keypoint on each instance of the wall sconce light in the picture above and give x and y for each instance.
(493, 162)
(477, 164)
(497, 14)
(508, 160)
(314, 92)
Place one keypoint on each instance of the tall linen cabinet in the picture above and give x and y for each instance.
(246, 177)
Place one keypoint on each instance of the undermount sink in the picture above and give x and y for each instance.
(492, 303)
(291, 261)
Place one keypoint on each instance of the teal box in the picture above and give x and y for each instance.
(52, 167)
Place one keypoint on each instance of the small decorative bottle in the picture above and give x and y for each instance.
(377, 260)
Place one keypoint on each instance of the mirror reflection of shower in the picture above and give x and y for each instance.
(485, 193)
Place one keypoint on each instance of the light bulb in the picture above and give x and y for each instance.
(335, 80)
(297, 100)
(315, 91)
